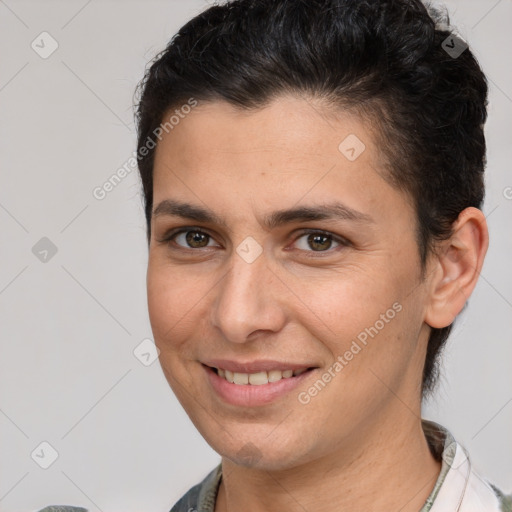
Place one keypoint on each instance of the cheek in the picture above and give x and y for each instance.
(344, 303)
(174, 302)
(363, 316)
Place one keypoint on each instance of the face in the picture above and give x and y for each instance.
(276, 251)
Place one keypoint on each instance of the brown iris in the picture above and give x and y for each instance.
(319, 242)
(196, 237)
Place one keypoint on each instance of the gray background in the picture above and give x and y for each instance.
(68, 375)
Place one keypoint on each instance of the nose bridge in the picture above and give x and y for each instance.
(244, 299)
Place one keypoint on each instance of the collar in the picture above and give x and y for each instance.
(458, 487)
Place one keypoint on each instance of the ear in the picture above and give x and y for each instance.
(456, 268)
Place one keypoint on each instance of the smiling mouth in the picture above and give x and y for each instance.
(258, 378)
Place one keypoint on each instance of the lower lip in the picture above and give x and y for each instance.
(250, 395)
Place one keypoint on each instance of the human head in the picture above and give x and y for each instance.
(383, 60)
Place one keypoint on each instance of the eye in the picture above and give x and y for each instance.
(310, 241)
(319, 241)
(189, 238)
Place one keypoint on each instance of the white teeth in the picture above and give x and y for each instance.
(241, 378)
(275, 375)
(259, 378)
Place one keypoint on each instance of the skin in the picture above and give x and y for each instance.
(358, 444)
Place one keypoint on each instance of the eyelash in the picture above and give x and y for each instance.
(340, 240)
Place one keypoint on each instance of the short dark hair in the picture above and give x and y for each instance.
(387, 60)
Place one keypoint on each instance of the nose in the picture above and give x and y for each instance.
(249, 300)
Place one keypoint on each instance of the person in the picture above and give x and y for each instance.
(313, 176)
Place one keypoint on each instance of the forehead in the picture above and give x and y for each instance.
(294, 126)
(223, 156)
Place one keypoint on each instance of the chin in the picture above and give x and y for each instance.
(260, 452)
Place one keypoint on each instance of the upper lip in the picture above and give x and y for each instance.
(260, 365)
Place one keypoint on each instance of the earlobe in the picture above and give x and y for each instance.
(458, 263)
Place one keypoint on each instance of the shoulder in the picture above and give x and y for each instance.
(189, 500)
(201, 496)
(505, 500)
(479, 494)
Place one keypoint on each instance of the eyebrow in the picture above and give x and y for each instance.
(331, 211)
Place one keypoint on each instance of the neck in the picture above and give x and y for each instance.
(392, 470)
